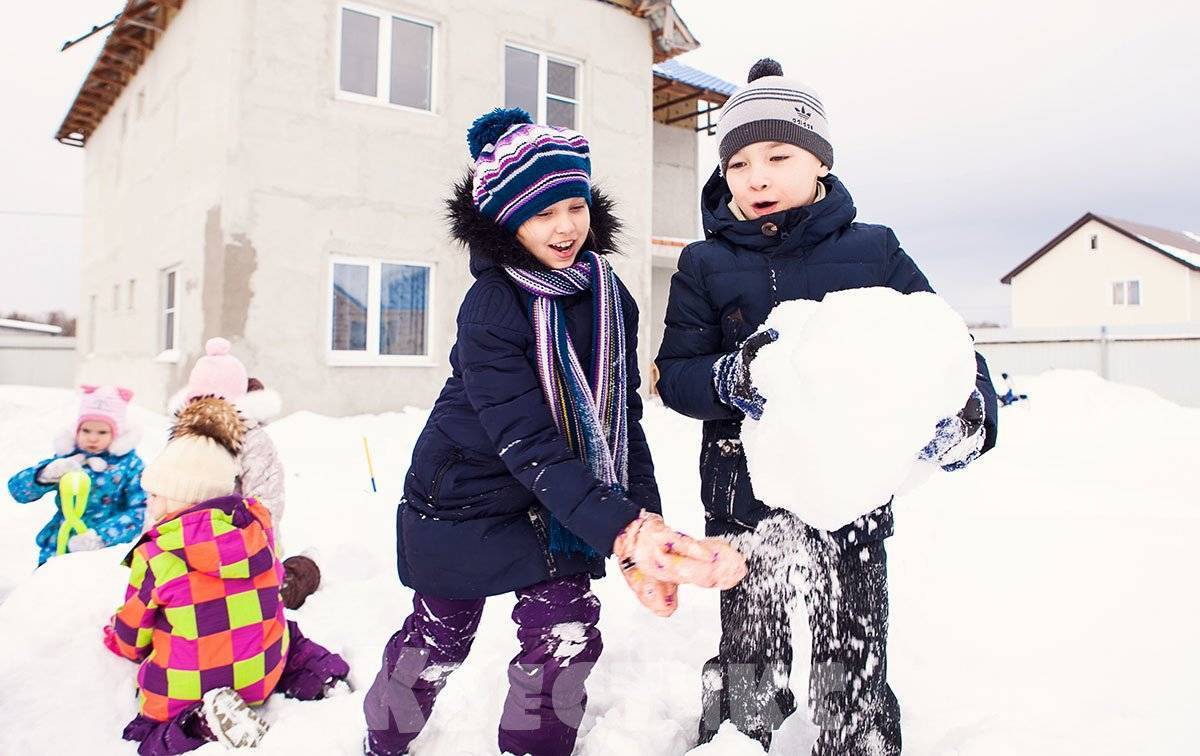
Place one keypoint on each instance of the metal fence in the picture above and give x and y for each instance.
(37, 360)
(1164, 359)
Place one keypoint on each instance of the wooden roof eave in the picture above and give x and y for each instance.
(135, 33)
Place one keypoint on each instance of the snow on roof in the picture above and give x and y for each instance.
(1192, 258)
(1180, 245)
(676, 71)
(25, 325)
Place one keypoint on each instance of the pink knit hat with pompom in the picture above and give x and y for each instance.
(217, 373)
(105, 404)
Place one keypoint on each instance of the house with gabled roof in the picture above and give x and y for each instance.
(274, 171)
(1103, 271)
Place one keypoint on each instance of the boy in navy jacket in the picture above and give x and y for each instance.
(779, 226)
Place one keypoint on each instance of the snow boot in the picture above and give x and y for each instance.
(226, 716)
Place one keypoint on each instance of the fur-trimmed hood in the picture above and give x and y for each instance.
(491, 245)
(256, 407)
(131, 436)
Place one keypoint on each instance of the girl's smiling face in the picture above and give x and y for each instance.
(555, 235)
(94, 437)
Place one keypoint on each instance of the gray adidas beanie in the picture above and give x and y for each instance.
(772, 108)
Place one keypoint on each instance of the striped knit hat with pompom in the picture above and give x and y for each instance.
(773, 108)
(521, 168)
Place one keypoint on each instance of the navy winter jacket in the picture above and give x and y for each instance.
(490, 463)
(724, 289)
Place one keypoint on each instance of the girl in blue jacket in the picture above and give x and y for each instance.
(101, 445)
(533, 466)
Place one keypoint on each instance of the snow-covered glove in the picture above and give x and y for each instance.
(673, 557)
(89, 540)
(958, 440)
(731, 375)
(53, 472)
(110, 639)
(96, 464)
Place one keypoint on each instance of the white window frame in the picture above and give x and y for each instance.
(1137, 281)
(1124, 284)
(371, 356)
(543, 57)
(164, 276)
(383, 78)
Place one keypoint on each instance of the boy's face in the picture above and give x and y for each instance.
(555, 235)
(768, 177)
(94, 437)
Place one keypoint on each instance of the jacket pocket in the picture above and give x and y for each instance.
(435, 487)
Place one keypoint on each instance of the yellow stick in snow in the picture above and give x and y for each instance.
(370, 467)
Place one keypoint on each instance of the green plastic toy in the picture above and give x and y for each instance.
(73, 490)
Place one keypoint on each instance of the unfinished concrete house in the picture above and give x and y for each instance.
(273, 172)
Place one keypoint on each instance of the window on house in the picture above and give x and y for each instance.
(385, 58)
(1095, 241)
(116, 297)
(170, 310)
(129, 301)
(379, 311)
(1128, 293)
(546, 87)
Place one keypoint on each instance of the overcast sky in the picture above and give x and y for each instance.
(980, 130)
(976, 130)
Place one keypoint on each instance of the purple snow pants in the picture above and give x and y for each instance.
(308, 668)
(556, 628)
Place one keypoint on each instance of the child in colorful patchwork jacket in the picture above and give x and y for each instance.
(202, 609)
(100, 443)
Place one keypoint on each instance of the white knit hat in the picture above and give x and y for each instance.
(191, 469)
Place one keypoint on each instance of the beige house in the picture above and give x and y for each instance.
(273, 171)
(1104, 271)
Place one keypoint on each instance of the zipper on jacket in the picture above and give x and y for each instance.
(436, 486)
(543, 536)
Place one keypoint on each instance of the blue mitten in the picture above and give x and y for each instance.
(957, 440)
(731, 375)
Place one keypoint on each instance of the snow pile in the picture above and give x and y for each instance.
(1042, 599)
(854, 386)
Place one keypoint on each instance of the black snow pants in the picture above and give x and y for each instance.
(844, 585)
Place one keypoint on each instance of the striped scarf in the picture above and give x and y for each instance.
(591, 416)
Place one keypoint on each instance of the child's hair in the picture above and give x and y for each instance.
(253, 384)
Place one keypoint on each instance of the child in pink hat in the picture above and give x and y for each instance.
(260, 471)
(218, 373)
(100, 443)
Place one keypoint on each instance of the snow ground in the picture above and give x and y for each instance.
(1041, 599)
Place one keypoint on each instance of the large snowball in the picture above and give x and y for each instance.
(854, 387)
